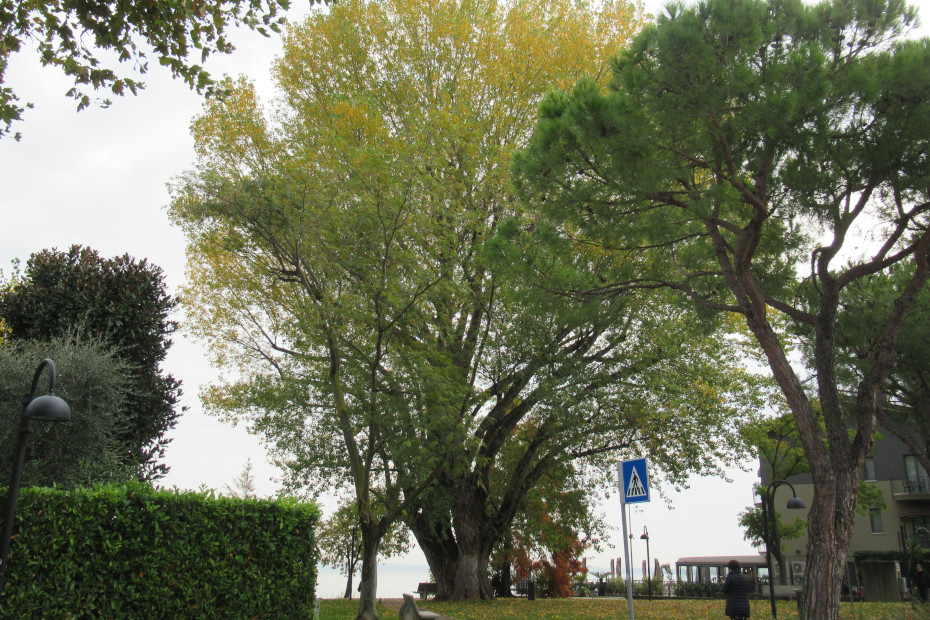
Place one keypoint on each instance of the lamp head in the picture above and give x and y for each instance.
(796, 502)
(47, 408)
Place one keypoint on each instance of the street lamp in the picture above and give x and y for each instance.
(794, 503)
(47, 408)
(923, 534)
(645, 537)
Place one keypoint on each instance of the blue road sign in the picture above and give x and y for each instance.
(634, 486)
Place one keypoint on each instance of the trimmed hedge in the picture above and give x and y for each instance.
(131, 551)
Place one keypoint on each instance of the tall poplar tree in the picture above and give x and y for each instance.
(340, 265)
(767, 156)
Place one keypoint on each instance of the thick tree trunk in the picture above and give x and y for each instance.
(832, 457)
(470, 521)
(371, 540)
(830, 523)
(441, 554)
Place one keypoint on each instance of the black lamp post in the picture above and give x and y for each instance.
(768, 495)
(645, 537)
(48, 408)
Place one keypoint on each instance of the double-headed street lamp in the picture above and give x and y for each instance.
(47, 408)
(768, 495)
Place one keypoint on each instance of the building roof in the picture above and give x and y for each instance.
(721, 560)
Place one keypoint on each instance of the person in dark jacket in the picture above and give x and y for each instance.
(922, 581)
(737, 588)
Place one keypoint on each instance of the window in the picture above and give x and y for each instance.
(917, 479)
(876, 517)
(868, 470)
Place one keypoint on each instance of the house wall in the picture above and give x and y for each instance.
(888, 453)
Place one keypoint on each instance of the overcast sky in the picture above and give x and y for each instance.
(98, 178)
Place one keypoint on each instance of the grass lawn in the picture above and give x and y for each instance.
(342, 609)
(616, 609)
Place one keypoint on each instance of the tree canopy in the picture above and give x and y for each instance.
(340, 542)
(121, 302)
(740, 151)
(91, 41)
(94, 382)
(342, 264)
(906, 412)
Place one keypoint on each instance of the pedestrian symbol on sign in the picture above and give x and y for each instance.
(636, 488)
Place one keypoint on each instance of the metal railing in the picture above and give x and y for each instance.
(919, 489)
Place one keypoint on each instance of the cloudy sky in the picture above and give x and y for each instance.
(98, 178)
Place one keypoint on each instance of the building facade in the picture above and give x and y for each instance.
(905, 487)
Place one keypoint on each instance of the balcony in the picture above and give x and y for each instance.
(910, 490)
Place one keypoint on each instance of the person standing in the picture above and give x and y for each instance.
(737, 587)
(922, 581)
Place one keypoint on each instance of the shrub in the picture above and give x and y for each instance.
(124, 551)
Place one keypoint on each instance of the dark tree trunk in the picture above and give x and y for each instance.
(774, 544)
(351, 561)
(502, 588)
(348, 593)
(368, 588)
(440, 551)
(470, 522)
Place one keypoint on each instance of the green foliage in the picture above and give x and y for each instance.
(87, 449)
(340, 541)
(741, 151)
(866, 306)
(655, 586)
(914, 553)
(124, 551)
(751, 521)
(780, 454)
(342, 263)
(84, 41)
(895, 555)
(121, 302)
(698, 590)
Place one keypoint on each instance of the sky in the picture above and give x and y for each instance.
(98, 178)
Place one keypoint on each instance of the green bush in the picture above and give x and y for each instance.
(642, 586)
(690, 589)
(125, 551)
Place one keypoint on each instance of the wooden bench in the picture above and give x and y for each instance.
(425, 589)
(410, 611)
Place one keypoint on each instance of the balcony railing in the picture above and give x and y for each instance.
(916, 490)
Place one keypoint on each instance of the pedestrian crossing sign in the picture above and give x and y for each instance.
(634, 481)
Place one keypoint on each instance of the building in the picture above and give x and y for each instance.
(713, 570)
(903, 483)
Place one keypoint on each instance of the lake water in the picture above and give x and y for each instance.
(393, 581)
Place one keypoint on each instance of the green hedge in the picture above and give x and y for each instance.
(691, 589)
(131, 551)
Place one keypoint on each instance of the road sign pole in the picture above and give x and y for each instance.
(626, 544)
